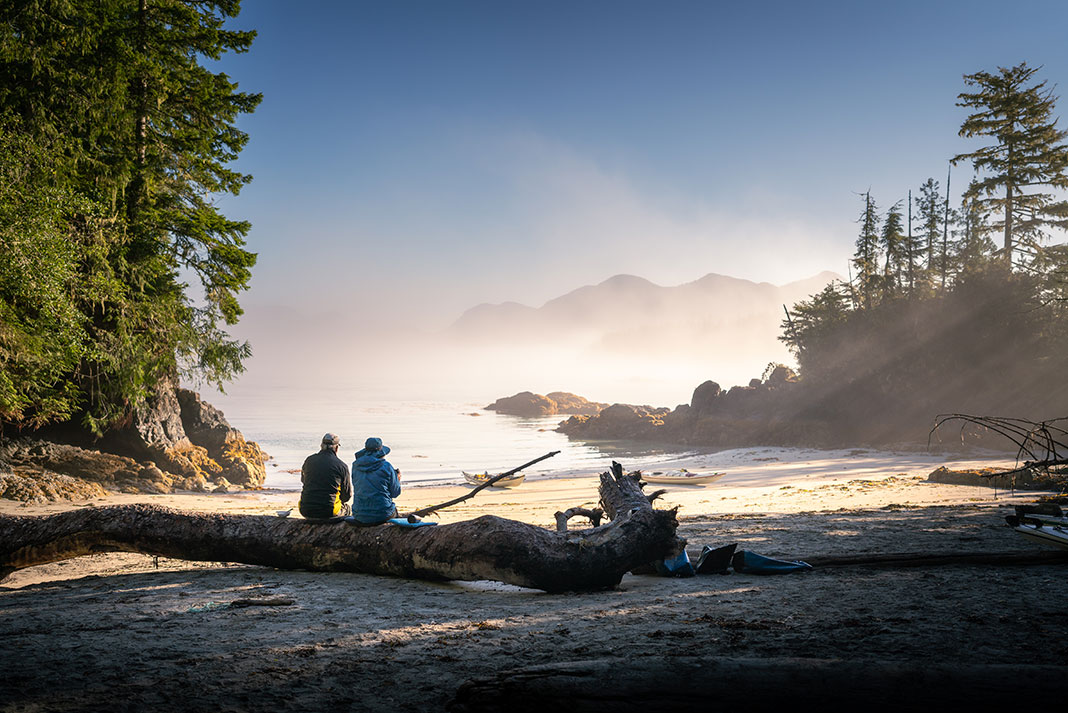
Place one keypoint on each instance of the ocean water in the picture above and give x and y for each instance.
(431, 441)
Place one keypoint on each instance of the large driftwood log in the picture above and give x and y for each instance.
(680, 684)
(487, 547)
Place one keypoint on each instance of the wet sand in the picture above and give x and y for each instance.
(129, 632)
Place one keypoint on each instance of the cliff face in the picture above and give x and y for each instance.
(175, 441)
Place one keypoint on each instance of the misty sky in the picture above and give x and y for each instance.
(413, 159)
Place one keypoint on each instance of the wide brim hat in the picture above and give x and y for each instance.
(373, 446)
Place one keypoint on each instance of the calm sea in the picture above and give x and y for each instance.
(432, 441)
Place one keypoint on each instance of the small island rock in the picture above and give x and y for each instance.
(528, 404)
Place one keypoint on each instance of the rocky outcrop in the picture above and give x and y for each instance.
(240, 462)
(529, 405)
(175, 441)
(618, 421)
(764, 413)
(43, 487)
(38, 471)
(568, 403)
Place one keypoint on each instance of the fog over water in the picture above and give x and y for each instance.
(622, 340)
(414, 161)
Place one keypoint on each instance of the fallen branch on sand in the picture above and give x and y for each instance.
(1044, 443)
(449, 503)
(487, 547)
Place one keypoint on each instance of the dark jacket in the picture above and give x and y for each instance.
(376, 485)
(327, 484)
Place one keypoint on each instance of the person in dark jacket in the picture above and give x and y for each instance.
(327, 486)
(375, 483)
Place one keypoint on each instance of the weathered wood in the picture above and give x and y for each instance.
(682, 684)
(594, 516)
(487, 547)
(622, 493)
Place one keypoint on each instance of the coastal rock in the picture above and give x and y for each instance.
(618, 421)
(41, 487)
(174, 441)
(529, 405)
(71, 461)
(525, 403)
(766, 412)
(38, 471)
(154, 428)
(242, 462)
(204, 424)
(568, 403)
(704, 397)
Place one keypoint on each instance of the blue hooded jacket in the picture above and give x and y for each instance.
(374, 484)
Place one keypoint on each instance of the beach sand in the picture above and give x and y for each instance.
(130, 632)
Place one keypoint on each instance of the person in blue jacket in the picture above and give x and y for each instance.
(375, 483)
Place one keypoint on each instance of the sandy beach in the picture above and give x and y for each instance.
(131, 632)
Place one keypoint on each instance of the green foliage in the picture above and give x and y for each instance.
(972, 250)
(866, 257)
(813, 324)
(892, 240)
(41, 329)
(1029, 154)
(931, 213)
(945, 328)
(135, 138)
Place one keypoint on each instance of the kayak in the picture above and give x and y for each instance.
(681, 477)
(479, 478)
(1046, 529)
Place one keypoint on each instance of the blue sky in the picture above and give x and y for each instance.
(413, 159)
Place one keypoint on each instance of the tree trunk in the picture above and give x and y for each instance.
(1008, 220)
(487, 547)
(681, 684)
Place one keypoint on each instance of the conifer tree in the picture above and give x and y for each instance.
(149, 132)
(931, 213)
(973, 249)
(892, 240)
(1028, 156)
(866, 257)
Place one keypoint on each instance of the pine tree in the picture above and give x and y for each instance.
(973, 249)
(931, 212)
(866, 257)
(892, 240)
(1029, 154)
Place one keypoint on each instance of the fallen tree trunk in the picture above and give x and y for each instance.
(487, 547)
(689, 683)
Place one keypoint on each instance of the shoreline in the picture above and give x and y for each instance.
(769, 480)
(412, 644)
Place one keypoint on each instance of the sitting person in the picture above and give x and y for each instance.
(327, 486)
(375, 483)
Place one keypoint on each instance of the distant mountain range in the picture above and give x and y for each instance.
(626, 312)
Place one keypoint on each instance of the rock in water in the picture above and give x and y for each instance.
(529, 404)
